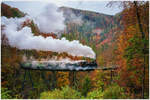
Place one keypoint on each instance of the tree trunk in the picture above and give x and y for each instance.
(143, 37)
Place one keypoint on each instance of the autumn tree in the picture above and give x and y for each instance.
(133, 46)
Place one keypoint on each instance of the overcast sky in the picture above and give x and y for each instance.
(33, 8)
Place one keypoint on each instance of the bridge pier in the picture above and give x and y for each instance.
(111, 76)
(53, 80)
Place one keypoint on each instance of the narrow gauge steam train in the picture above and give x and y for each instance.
(91, 64)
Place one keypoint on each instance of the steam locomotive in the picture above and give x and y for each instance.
(90, 64)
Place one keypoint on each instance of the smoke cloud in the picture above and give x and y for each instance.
(50, 20)
(72, 18)
(23, 38)
(76, 19)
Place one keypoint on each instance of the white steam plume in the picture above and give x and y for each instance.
(76, 19)
(50, 20)
(23, 38)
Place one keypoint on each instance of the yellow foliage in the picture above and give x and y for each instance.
(62, 79)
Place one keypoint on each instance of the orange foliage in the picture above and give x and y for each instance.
(62, 79)
(48, 34)
(130, 78)
(105, 41)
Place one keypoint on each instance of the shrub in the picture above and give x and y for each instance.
(86, 86)
(5, 93)
(51, 94)
(96, 94)
(114, 92)
(64, 93)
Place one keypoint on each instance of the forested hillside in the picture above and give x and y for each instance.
(121, 40)
(10, 12)
(94, 29)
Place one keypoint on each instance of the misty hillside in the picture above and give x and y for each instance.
(90, 28)
(95, 19)
(86, 22)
